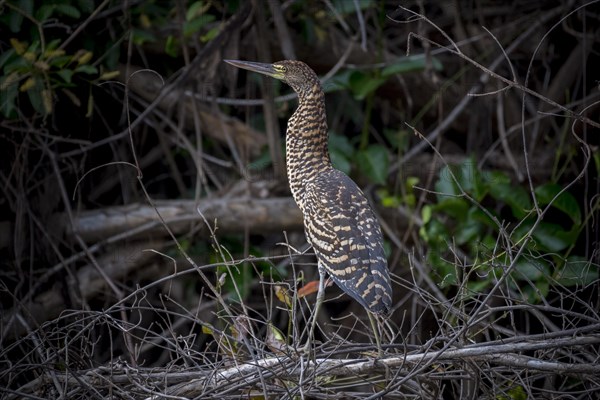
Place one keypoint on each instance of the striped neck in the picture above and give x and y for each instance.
(307, 152)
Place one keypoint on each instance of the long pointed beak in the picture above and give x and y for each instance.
(261, 68)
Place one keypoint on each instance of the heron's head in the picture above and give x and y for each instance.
(295, 73)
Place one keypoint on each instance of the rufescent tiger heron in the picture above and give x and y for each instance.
(340, 225)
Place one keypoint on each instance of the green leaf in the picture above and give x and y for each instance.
(455, 207)
(426, 213)
(362, 84)
(8, 97)
(87, 6)
(445, 270)
(532, 269)
(193, 10)
(44, 12)
(340, 81)
(211, 34)
(26, 6)
(19, 64)
(347, 7)
(5, 56)
(171, 46)
(36, 99)
(565, 202)
(140, 36)
(16, 17)
(468, 229)
(68, 10)
(445, 185)
(60, 61)
(391, 201)
(260, 168)
(436, 233)
(469, 178)
(193, 26)
(495, 178)
(514, 196)
(340, 161)
(52, 45)
(517, 393)
(65, 74)
(411, 182)
(341, 144)
(111, 57)
(479, 215)
(398, 138)
(577, 271)
(374, 162)
(87, 69)
(15, 21)
(410, 64)
(553, 237)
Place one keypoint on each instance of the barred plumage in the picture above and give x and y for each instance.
(340, 225)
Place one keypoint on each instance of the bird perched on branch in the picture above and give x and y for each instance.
(340, 225)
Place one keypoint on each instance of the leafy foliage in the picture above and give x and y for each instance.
(458, 220)
(37, 68)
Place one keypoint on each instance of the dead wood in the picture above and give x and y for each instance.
(226, 215)
(215, 124)
(82, 286)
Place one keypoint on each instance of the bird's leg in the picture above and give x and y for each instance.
(373, 320)
(313, 319)
(320, 297)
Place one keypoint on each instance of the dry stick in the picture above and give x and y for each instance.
(118, 293)
(19, 302)
(234, 23)
(500, 354)
(85, 23)
(534, 119)
(363, 28)
(207, 281)
(504, 137)
(474, 89)
(510, 83)
(549, 101)
(133, 231)
(116, 306)
(515, 84)
(283, 33)
(195, 153)
(496, 353)
(39, 351)
(269, 112)
(184, 141)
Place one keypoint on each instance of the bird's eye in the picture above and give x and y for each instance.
(282, 68)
